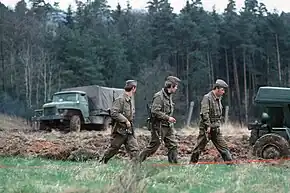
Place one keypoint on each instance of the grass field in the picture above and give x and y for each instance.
(37, 175)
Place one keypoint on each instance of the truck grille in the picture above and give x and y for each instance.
(49, 111)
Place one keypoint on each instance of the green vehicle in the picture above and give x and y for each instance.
(78, 108)
(270, 136)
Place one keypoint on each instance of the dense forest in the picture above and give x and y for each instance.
(44, 49)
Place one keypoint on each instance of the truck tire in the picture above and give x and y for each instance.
(75, 123)
(271, 146)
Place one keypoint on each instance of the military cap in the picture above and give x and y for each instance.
(131, 83)
(221, 83)
(173, 79)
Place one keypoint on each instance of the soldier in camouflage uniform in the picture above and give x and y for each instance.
(122, 114)
(161, 123)
(210, 120)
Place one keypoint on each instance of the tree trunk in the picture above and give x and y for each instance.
(44, 73)
(59, 79)
(268, 69)
(228, 76)
(37, 92)
(236, 78)
(50, 80)
(212, 68)
(26, 63)
(288, 74)
(2, 60)
(44, 81)
(254, 88)
(187, 81)
(245, 84)
(25, 57)
(209, 68)
(30, 83)
(12, 70)
(278, 60)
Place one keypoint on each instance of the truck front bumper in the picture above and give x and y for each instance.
(53, 118)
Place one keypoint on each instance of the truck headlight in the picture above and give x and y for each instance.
(62, 111)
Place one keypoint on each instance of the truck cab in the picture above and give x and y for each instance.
(66, 108)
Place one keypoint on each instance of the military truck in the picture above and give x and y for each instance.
(271, 134)
(77, 108)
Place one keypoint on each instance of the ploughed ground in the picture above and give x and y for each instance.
(92, 144)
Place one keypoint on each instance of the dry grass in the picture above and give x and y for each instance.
(14, 123)
(9, 122)
(230, 129)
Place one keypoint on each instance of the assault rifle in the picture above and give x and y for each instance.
(149, 119)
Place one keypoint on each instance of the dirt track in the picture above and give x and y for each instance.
(91, 144)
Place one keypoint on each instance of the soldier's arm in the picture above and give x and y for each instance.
(156, 109)
(204, 111)
(116, 111)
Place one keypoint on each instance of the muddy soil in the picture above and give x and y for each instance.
(92, 144)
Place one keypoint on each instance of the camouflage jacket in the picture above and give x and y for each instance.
(211, 111)
(121, 111)
(162, 108)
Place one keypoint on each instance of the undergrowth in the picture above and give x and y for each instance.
(118, 176)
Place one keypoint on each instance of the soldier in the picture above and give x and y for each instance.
(161, 121)
(122, 114)
(209, 125)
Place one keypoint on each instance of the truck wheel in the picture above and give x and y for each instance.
(271, 146)
(75, 123)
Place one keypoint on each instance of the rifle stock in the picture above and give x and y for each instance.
(149, 119)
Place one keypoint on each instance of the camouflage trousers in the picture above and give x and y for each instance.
(218, 140)
(118, 140)
(166, 134)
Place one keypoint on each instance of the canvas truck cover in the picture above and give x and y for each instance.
(274, 95)
(100, 98)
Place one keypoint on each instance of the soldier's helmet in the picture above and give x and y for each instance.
(265, 117)
(221, 83)
(131, 83)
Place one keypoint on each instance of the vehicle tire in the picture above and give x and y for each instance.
(106, 125)
(75, 123)
(271, 146)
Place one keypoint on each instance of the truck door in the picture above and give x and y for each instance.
(84, 106)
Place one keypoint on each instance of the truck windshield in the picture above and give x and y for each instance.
(64, 97)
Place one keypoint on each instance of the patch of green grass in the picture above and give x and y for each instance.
(119, 176)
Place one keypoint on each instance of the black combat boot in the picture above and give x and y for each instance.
(104, 160)
(226, 155)
(142, 157)
(194, 158)
(172, 156)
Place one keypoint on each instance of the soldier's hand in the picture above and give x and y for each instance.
(208, 129)
(128, 124)
(172, 120)
(207, 133)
